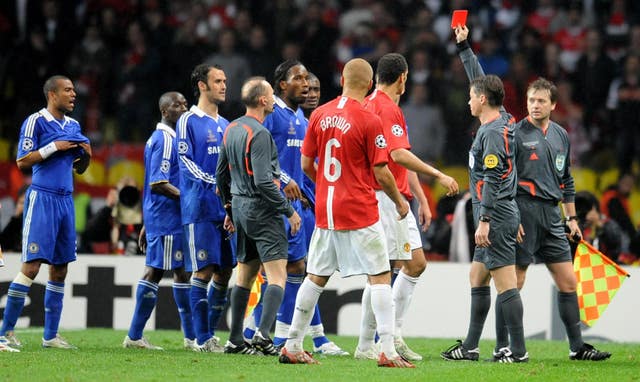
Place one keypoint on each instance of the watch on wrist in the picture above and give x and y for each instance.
(572, 217)
(485, 218)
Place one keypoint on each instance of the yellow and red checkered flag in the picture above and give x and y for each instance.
(599, 279)
(254, 296)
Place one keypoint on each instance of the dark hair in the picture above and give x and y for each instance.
(281, 73)
(312, 77)
(201, 73)
(390, 67)
(51, 84)
(252, 89)
(492, 88)
(544, 84)
(585, 201)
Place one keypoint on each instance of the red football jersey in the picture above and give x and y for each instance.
(348, 141)
(394, 128)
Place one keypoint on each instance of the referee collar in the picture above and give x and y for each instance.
(167, 128)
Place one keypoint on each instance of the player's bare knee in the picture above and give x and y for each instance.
(181, 276)
(296, 267)
(58, 273)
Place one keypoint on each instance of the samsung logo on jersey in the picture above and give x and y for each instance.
(213, 150)
(294, 142)
(335, 122)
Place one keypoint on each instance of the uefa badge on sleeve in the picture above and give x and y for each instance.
(165, 166)
(381, 143)
(182, 147)
(397, 130)
(27, 144)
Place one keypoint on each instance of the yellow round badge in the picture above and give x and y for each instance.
(491, 161)
(407, 247)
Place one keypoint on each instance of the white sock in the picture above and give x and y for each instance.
(306, 301)
(403, 289)
(367, 321)
(381, 302)
(282, 330)
(316, 331)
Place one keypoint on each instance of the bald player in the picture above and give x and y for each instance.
(349, 143)
(161, 237)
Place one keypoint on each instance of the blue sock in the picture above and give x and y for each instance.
(200, 310)
(53, 297)
(146, 298)
(394, 275)
(288, 306)
(316, 321)
(181, 297)
(217, 298)
(15, 302)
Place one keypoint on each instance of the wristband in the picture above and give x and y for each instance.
(485, 218)
(48, 150)
(569, 218)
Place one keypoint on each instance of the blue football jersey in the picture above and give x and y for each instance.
(161, 214)
(38, 130)
(287, 128)
(199, 138)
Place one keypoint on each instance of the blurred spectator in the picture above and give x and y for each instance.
(570, 38)
(616, 28)
(544, 18)
(116, 226)
(601, 232)
(11, 236)
(262, 60)
(188, 50)
(236, 69)
(531, 46)
(89, 64)
(515, 86)
(426, 125)
(313, 32)
(615, 204)
(552, 69)
(491, 58)
(568, 114)
(593, 75)
(454, 98)
(624, 102)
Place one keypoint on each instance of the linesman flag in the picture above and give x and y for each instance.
(599, 279)
(254, 296)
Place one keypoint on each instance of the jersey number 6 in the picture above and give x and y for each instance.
(331, 163)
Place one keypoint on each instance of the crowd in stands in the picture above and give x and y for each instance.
(122, 54)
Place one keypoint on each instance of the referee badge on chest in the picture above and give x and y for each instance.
(560, 159)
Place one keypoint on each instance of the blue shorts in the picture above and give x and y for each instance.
(298, 244)
(308, 223)
(49, 229)
(208, 244)
(165, 252)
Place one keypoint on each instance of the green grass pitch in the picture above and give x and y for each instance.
(100, 357)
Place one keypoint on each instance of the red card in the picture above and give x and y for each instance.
(459, 18)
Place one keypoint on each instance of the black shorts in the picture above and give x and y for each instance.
(261, 232)
(505, 219)
(545, 240)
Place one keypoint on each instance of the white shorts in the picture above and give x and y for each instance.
(354, 252)
(402, 236)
